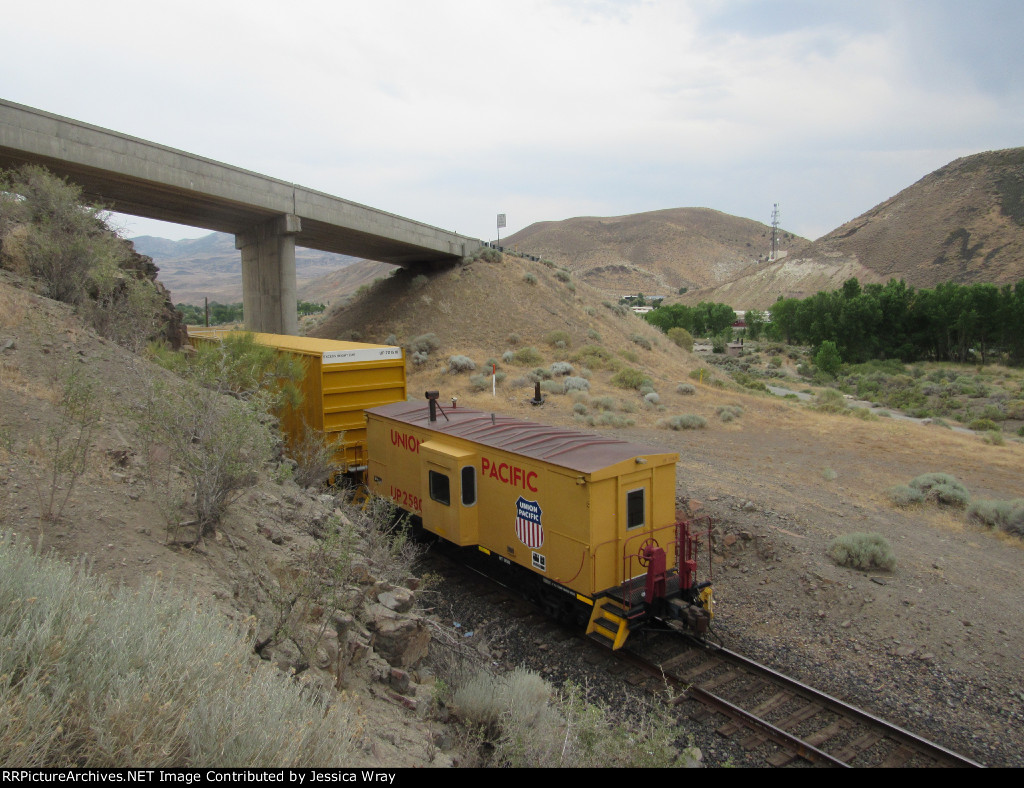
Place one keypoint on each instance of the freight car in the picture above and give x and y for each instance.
(342, 380)
(586, 524)
(583, 524)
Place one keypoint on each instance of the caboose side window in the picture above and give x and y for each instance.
(468, 485)
(635, 508)
(440, 488)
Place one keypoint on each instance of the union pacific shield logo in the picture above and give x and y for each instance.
(528, 525)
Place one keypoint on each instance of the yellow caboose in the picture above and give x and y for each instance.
(591, 518)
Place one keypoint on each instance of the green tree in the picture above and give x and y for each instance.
(827, 359)
(756, 323)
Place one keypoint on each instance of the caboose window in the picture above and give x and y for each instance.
(468, 485)
(440, 488)
(635, 508)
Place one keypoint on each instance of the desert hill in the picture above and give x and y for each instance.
(655, 252)
(962, 223)
(211, 267)
(482, 309)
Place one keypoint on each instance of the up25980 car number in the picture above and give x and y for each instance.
(406, 499)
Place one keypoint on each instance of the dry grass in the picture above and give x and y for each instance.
(97, 676)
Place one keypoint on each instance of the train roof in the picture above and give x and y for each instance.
(578, 451)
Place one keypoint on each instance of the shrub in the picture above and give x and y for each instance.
(240, 366)
(418, 282)
(576, 384)
(685, 421)
(457, 364)
(629, 378)
(862, 551)
(605, 419)
(513, 339)
(652, 398)
(65, 452)
(98, 676)
(488, 255)
(829, 401)
(529, 278)
(552, 386)
(559, 339)
(641, 340)
(527, 724)
(314, 459)
(594, 357)
(728, 413)
(994, 438)
(681, 337)
(904, 496)
(561, 368)
(424, 344)
(596, 337)
(983, 425)
(686, 389)
(64, 243)
(526, 356)
(217, 445)
(942, 489)
(562, 275)
(1005, 515)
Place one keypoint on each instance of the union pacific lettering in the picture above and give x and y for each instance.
(509, 474)
(410, 442)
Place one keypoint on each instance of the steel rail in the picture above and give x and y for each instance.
(918, 743)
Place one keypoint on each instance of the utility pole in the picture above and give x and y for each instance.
(775, 233)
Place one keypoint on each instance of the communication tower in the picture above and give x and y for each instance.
(775, 233)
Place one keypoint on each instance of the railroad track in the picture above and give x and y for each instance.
(756, 707)
(762, 705)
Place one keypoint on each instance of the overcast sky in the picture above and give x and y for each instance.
(452, 111)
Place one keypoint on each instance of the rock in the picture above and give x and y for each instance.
(399, 680)
(402, 642)
(398, 599)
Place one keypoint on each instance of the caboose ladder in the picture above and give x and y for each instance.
(606, 626)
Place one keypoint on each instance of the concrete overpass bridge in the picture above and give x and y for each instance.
(268, 217)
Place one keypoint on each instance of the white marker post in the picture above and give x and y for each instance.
(501, 223)
(494, 380)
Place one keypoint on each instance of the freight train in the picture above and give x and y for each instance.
(584, 524)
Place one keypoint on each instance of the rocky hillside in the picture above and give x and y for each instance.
(655, 252)
(962, 223)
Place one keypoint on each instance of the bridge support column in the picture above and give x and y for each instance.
(269, 290)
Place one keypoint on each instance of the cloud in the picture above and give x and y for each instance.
(454, 110)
